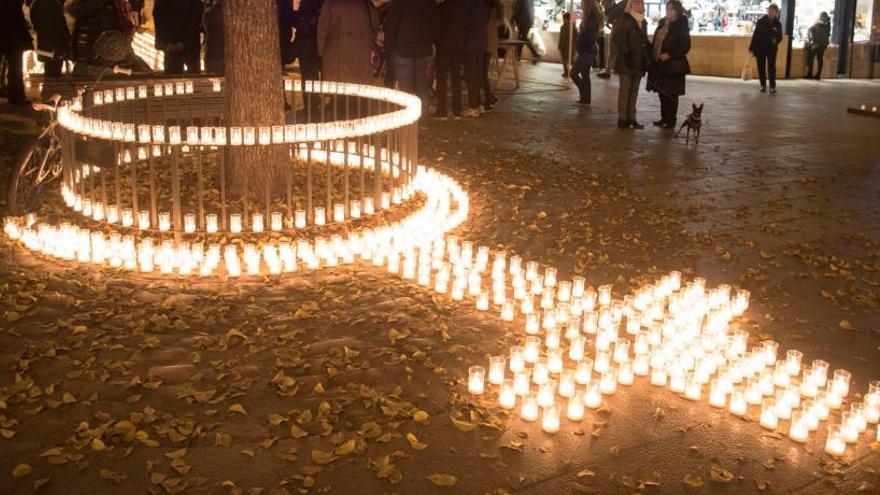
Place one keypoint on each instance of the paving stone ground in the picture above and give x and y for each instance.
(781, 197)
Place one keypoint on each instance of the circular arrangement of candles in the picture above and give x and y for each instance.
(579, 344)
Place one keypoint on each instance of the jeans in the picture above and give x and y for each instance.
(486, 85)
(580, 75)
(412, 75)
(819, 53)
(766, 66)
(668, 108)
(449, 67)
(189, 57)
(599, 62)
(627, 96)
(14, 75)
(473, 73)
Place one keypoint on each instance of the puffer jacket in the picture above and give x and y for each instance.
(630, 46)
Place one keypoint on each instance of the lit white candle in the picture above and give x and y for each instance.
(164, 221)
(483, 301)
(517, 360)
(507, 395)
(575, 410)
(555, 362)
(529, 409)
(497, 367)
(547, 393)
(540, 372)
(235, 223)
(257, 222)
(550, 418)
(522, 382)
(532, 349)
(567, 383)
(608, 381)
(507, 311)
(476, 377)
(338, 212)
(189, 223)
(693, 387)
(211, 223)
(840, 382)
(738, 405)
(848, 428)
(584, 371)
(798, 430)
(835, 444)
(593, 397)
(768, 413)
(320, 215)
(277, 221)
(533, 325)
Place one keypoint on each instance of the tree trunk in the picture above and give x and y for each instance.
(254, 90)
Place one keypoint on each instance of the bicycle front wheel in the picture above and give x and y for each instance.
(25, 182)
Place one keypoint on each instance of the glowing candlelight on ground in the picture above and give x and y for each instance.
(507, 395)
(798, 430)
(693, 387)
(529, 409)
(546, 393)
(608, 381)
(532, 349)
(567, 383)
(849, 428)
(593, 397)
(625, 374)
(517, 360)
(584, 371)
(768, 413)
(476, 376)
(550, 418)
(235, 223)
(575, 410)
(164, 221)
(840, 382)
(320, 216)
(189, 223)
(738, 405)
(522, 382)
(497, 366)
(835, 444)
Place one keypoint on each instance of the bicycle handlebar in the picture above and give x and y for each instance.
(121, 70)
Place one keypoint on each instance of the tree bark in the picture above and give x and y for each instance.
(254, 89)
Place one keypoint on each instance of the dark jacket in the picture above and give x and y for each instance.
(177, 21)
(285, 30)
(475, 30)
(47, 16)
(524, 14)
(214, 49)
(587, 36)
(14, 30)
(91, 18)
(411, 28)
(452, 26)
(305, 21)
(767, 36)
(819, 35)
(667, 76)
(630, 46)
(565, 41)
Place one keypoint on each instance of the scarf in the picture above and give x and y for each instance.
(659, 38)
(639, 15)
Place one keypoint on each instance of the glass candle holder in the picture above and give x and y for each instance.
(476, 378)
(127, 217)
(840, 382)
(593, 396)
(235, 223)
(625, 374)
(532, 349)
(575, 409)
(497, 368)
(567, 384)
(738, 405)
(835, 445)
(164, 221)
(517, 359)
(211, 223)
(507, 395)
(529, 408)
(522, 382)
(547, 393)
(608, 381)
(768, 413)
(798, 430)
(320, 215)
(277, 221)
(189, 223)
(550, 418)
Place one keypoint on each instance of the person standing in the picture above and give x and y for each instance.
(47, 17)
(630, 39)
(410, 31)
(178, 31)
(764, 45)
(496, 21)
(524, 18)
(214, 50)
(818, 37)
(586, 50)
(305, 41)
(15, 38)
(566, 43)
(450, 55)
(474, 50)
(672, 42)
(346, 32)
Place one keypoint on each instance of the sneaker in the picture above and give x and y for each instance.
(471, 112)
(492, 101)
(772, 91)
(605, 74)
(481, 109)
(583, 102)
(763, 89)
(456, 116)
(659, 123)
(622, 124)
(488, 108)
(635, 125)
(440, 116)
(668, 126)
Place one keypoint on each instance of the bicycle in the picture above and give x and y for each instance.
(40, 162)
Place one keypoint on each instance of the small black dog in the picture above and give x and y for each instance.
(693, 123)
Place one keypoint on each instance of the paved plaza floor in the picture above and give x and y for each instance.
(259, 386)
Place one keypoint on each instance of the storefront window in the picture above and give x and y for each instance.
(713, 17)
(806, 14)
(862, 27)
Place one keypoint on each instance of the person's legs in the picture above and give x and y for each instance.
(192, 59)
(442, 76)
(487, 86)
(53, 67)
(456, 69)
(762, 69)
(471, 73)
(810, 54)
(310, 67)
(633, 97)
(421, 81)
(575, 75)
(820, 55)
(664, 108)
(174, 63)
(771, 69)
(14, 77)
(403, 69)
(623, 93)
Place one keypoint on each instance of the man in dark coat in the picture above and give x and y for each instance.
(410, 30)
(286, 17)
(305, 41)
(524, 18)
(672, 42)
(764, 45)
(15, 38)
(47, 17)
(178, 34)
(450, 55)
(214, 50)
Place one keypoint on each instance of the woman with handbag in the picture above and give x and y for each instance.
(672, 42)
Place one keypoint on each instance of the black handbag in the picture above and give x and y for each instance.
(676, 67)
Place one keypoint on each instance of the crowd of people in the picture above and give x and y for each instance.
(431, 48)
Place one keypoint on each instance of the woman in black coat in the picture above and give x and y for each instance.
(672, 42)
(764, 45)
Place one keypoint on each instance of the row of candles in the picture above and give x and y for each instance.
(682, 338)
(125, 217)
(71, 118)
(445, 207)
